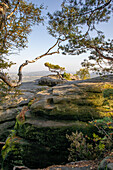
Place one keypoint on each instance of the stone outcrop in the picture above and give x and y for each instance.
(50, 81)
(106, 163)
(12, 105)
(53, 80)
(39, 136)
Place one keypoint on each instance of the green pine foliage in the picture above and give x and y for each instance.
(77, 23)
(66, 76)
(55, 67)
(15, 26)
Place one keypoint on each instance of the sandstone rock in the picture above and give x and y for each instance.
(110, 166)
(40, 138)
(7, 121)
(50, 81)
(106, 163)
(9, 114)
(40, 142)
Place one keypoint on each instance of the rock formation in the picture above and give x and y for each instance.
(39, 139)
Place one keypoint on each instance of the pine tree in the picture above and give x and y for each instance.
(17, 17)
(76, 22)
(55, 68)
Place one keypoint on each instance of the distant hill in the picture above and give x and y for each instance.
(30, 76)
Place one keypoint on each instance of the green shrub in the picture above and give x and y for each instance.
(105, 126)
(66, 76)
(83, 73)
(86, 148)
(108, 93)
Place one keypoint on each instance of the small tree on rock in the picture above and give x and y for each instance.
(55, 68)
(83, 73)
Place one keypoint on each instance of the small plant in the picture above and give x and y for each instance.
(105, 126)
(21, 115)
(83, 73)
(66, 75)
(55, 68)
(86, 148)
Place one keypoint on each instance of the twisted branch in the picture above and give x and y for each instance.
(10, 83)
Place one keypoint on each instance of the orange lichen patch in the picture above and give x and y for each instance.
(21, 115)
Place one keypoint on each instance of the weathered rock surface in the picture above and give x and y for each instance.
(12, 105)
(50, 81)
(106, 163)
(77, 165)
(39, 137)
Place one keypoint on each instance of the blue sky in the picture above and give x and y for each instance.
(40, 41)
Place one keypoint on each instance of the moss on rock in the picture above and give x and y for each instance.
(38, 146)
(40, 132)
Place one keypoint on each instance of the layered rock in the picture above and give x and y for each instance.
(12, 105)
(39, 137)
(50, 81)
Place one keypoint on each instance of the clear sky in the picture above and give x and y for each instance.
(40, 41)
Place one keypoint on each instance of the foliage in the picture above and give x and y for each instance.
(66, 76)
(105, 126)
(55, 68)
(14, 34)
(76, 22)
(86, 148)
(83, 73)
(21, 116)
(16, 20)
(8, 94)
(19, 19)
(108, 93)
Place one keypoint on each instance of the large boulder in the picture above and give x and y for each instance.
(50, 81)
(39, 137)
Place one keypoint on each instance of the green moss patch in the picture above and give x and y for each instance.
(41, 145)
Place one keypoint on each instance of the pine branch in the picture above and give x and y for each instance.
(16, 6)
(102, 55)
(96, 9)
